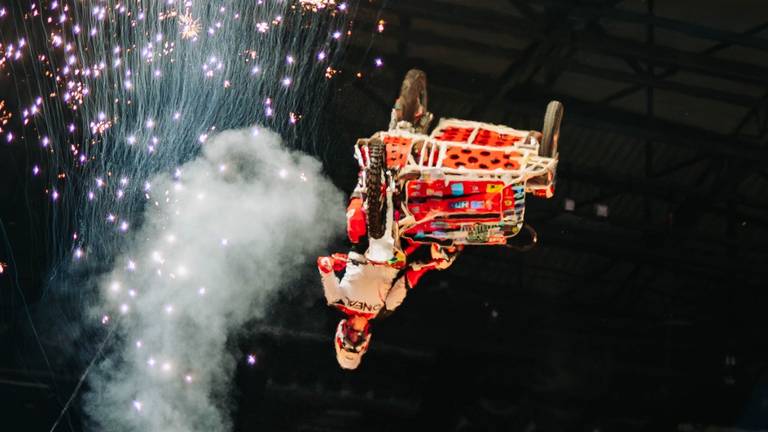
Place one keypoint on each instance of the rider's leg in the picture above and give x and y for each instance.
(330, 282)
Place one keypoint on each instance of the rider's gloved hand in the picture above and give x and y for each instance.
(325, 264)
(355, 220)
(339, 261)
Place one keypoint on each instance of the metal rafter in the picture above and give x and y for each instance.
(733, 70)
(660, 189)
(519, 72)
(590, 12)
(553, 62)
(510, 25)
(597, 116)
(670, 71)
(630, 249)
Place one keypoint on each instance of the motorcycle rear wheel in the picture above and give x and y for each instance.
(551, 130)
(374, 175)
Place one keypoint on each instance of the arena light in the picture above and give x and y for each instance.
(569, 205)
(601, 210)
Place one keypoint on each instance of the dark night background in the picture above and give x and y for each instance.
(649, 318)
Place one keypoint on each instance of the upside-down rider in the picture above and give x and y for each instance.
(368, 288)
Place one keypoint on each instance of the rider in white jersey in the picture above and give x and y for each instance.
(370, 288)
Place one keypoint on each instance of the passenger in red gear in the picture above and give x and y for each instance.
(365, 291)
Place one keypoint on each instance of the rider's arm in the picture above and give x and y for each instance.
(331, 288)
(326, 267)
(396, 294)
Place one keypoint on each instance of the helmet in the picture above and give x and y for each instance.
(350, 344)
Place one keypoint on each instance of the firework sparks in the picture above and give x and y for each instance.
(5, 115)
(189, 27)
(127, 93)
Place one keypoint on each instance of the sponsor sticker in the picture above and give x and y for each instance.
(439, 235)
(493, 188)
(482, 233)
(457, 188)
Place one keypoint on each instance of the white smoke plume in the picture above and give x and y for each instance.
(219, 236)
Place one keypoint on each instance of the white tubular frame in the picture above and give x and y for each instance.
(432, 154)
(429, 160)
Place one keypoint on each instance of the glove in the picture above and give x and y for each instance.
(355, 220)
(325, 264)
(339, 261)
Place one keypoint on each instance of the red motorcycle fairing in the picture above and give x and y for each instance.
(478, 211)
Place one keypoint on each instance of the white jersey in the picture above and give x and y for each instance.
(365, 288)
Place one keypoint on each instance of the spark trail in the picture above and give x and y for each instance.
(167, 217)
(222, 234)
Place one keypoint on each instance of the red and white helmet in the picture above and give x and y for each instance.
(351, 344)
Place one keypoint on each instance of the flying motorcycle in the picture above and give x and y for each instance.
(465, 183)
